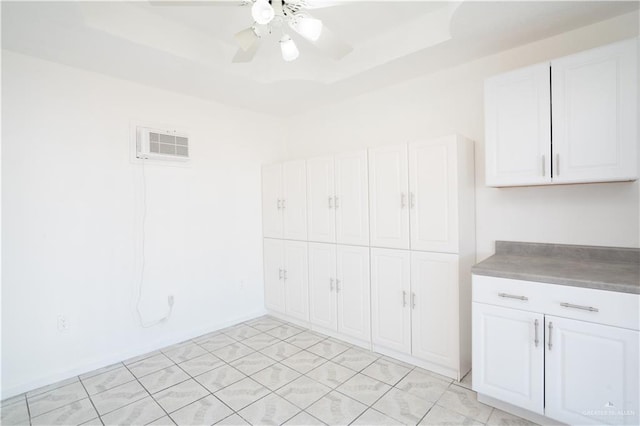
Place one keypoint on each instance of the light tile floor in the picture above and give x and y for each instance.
(261, 372)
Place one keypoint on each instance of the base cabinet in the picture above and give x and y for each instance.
(591, 374)
(339, 289)
(570, 354)
(286, 278)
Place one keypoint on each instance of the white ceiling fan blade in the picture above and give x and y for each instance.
(243, 56)
(247, 38)
(320, 4)
(214, 3)
(332, 45)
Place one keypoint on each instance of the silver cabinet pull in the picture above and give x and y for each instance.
(403, 200)
(550, 329)
(337, 285)
(404, 298)
(557, 170)
(413, 300)
(330, 284)
(584, 308)
(412, 200)
(511, 296)
(543, 167)
(283, 204)
(337, 204)
(330, 202)
(285, 274)
(280, 273)
(535, 326)
(279, 203)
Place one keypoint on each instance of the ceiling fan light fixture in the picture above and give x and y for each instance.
(308, 27)
(262, 12)
(289, 49)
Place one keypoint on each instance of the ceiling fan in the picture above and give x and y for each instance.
(280, 15)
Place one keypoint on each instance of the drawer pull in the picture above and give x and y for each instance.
(550, 330)
(584, 308)
(535, 340)
(511, 296)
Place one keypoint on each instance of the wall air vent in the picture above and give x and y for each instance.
(154, 144)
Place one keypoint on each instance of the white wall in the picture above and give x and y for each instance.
(452, 102)
(72, 213)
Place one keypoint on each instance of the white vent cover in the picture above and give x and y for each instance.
(157, 144)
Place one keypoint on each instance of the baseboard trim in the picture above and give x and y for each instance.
(517, 411)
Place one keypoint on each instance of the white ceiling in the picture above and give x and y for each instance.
(188, 48)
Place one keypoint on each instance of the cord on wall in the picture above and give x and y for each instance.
(143, 323)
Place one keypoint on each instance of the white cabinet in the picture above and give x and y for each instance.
(568, 353)
(321, 216)
(274, 293)
(286, 278)
(284, 200)
(390, 294)
(352, 198)
(389, 192)
(518, 127)
(591, 374)
(322, 286)
(594, 114)
(272, 222)
(435, 308)
(573, 120)
(339, 290)
(338, 199)
(508, 355)
(353, 290)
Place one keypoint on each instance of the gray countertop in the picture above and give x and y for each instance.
(602, 268)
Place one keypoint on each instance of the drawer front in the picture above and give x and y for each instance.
(598, 306)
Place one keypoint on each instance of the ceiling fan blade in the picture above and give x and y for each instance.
(243, 56)
(247, 38)
(223, 3)
(320, 4)
(332, 45)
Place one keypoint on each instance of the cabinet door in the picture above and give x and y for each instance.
(435, 307)
(433, 196)
(274, 275)
(390, 294)
(296, 277)
(354, 302)
(591, 373)
(595, 114)
(272, 201)
(352, 198)
(388, 189)
(518, 127)
(322, 285)
(321, 217)
(508, 355)
(295, 200)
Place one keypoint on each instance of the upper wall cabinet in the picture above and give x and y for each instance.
(338, 199)
(573, 120)
(284, 200)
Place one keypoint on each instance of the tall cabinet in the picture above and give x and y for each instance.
(421, 298)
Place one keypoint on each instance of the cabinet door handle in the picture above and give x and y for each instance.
(550, 330)
(336, 203)
(330, 284)
(557, 171)
(280, 273)
(413, 300)
(404, 298)
(337, 285)
(536, 340)
(584, 308)
(279, 203)
(412, 200)
(511, 296)
(283, 205)
(330, 202)
(285, 274)
(543, 166)
(403, 200)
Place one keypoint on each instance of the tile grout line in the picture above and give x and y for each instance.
(91, 400)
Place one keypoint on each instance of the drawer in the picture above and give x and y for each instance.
(586, 304)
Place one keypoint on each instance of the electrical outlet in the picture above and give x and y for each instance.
(170, 300)
(63, 323)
